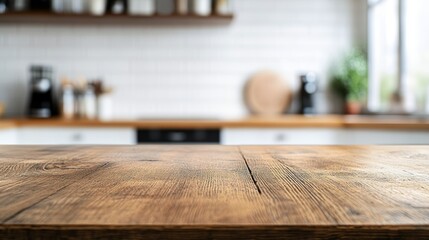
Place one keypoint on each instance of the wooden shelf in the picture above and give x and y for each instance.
(57, 18)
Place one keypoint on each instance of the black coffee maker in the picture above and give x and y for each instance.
(42, 103)
(307, 94)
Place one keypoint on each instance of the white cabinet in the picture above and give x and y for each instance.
(270, 136)
(57, 135)
(321, 136)
(8, 136)
(393, 137)
(229, 136)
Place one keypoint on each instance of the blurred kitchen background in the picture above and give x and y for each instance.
(217, 64)
(170, 69)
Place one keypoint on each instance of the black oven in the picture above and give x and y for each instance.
(178, 136)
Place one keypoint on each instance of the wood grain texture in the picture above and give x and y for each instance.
(351, 185)
(215, 192)
(284, 121)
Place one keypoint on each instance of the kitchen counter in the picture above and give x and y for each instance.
(214, 192)
(287, 121)
(7, 124)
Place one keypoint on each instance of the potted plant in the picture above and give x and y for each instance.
(350, 80)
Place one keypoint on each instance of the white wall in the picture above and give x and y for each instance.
(186, 70)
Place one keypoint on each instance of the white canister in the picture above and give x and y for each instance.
(77, 6)
(68, 102)
(90, 104)
(141, 7)
(202, 7)
(97, 7)
(104, 106)
(223, 7)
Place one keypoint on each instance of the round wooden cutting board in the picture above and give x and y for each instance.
(266, 93)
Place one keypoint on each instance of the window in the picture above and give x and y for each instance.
(417, 51)
(398, 36)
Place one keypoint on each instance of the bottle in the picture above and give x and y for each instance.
(90, 103)
(67, 100)
(182, 7)
(79, 97)
(104, 106)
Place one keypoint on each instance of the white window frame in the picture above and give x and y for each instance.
(402, 67)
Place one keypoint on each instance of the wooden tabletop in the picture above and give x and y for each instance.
(284, 121)
(214, 192)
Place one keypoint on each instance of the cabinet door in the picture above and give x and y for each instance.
(375, 136)
(102, 136)
(302, 136)
(322, 136)
(8, 136)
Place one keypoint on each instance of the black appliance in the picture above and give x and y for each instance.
(42, 5)
(178, 136)
(117, 6)
(42, 104)
(307, 94)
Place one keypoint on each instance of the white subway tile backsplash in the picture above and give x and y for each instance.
(167, 70)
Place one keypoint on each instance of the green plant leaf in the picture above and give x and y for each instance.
(350, 78)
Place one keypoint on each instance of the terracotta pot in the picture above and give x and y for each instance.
(353, 108)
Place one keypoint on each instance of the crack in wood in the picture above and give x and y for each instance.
(250, 172)
(50, 195)
(305, 185)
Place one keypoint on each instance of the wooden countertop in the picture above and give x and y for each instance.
(6, 124)
(214, 192)
(286, 121)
